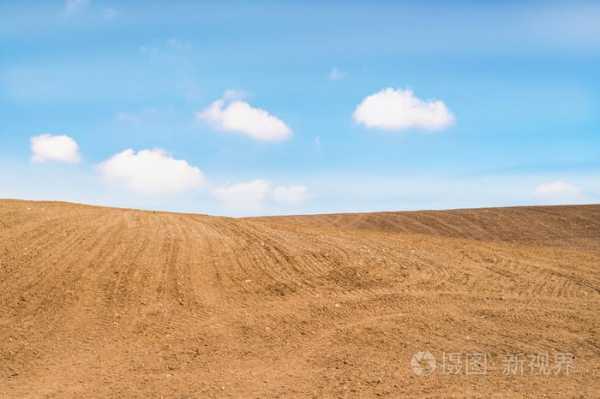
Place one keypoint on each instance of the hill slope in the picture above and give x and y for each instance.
(101, 302)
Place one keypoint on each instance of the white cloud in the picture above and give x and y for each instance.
(141, 117)
(292, 195)
(151, 172)
(233, 94)
(58, 148)
(76, 6)
(336, 74)
(317, 142)
(571, 24)
(246, 196)
(558, 190)
(129, 118)
(255, 195)
(233, 115)
(392, 109)
(109, 13)
(170, 49)
(177, 44)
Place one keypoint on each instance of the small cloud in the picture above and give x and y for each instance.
(232, 94)
(109, 13)
(290, 195)
(234, 115)
(171, 47)
(77, 7)
(138, 118)
(256, 195)
(177, 44)
(147, 50)
(57, 148)
(336, 74)
(317, 143)
(571, 24)
(396, 110)
(152, 172)
(73, 7)
(129, 118)
(246, 197)
(558, 190)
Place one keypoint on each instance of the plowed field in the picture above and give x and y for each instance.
(118, 303)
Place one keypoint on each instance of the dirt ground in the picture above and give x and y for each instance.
(115, 303)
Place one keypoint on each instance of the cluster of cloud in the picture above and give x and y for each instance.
(154, 172)
(254, 195)
(231, 114)
(389, 109)
(395, 110)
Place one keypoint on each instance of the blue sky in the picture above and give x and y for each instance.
(108, 102)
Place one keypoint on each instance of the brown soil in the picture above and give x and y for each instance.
(117, 303)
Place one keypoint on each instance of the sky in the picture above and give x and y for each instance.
(273, 107)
